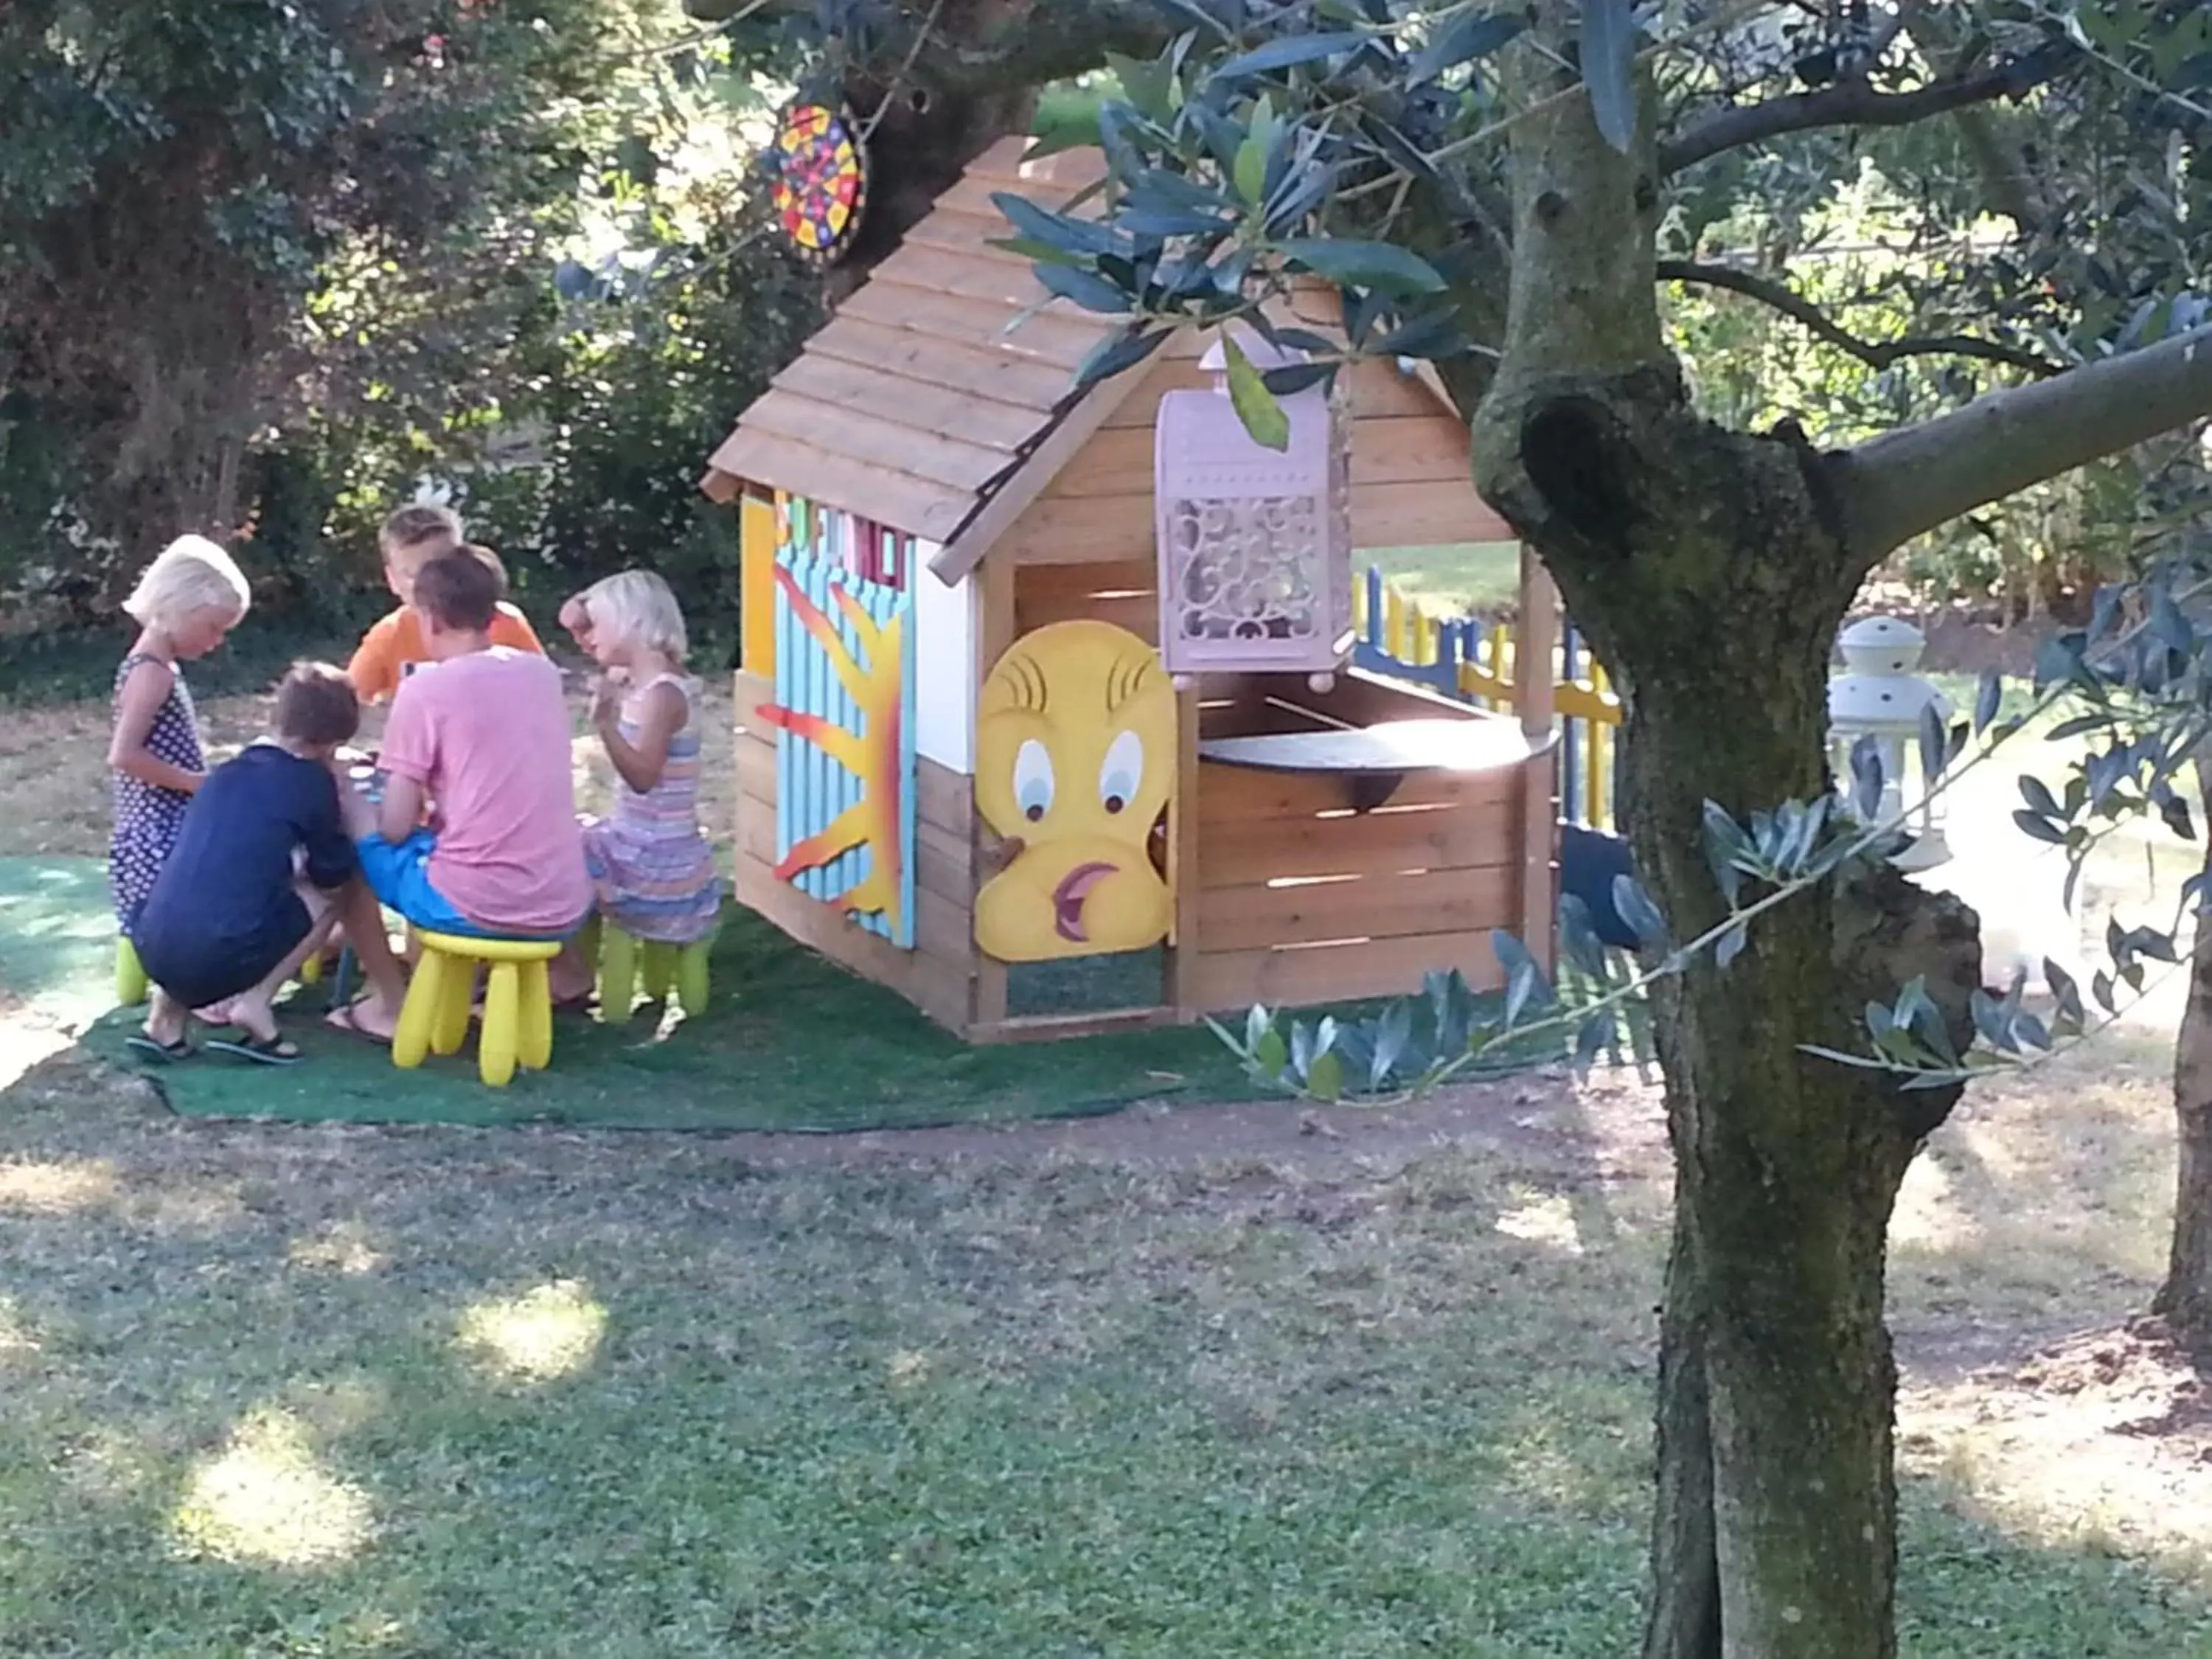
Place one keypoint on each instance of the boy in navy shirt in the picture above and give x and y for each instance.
(262, 872)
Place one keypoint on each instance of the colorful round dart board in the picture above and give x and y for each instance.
(822, 181)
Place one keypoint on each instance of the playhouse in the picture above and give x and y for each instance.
(961, 756)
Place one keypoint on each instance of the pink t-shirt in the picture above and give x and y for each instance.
(487, 736)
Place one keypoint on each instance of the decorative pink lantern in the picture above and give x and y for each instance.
(1255, 544)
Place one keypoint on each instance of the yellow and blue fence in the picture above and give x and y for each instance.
(1470, 658)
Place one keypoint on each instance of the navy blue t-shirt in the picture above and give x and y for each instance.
(226, 892)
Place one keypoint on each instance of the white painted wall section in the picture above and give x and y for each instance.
(947, 625)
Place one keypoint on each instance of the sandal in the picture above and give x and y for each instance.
(167, 1053)
(274, 1050)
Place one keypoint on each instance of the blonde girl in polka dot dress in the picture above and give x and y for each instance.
(186, 601)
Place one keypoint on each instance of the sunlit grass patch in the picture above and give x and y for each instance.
(547, 1332)
(55, 1188)
(267, 1500)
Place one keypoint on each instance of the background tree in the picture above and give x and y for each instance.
(264, 267)
(1497, 191)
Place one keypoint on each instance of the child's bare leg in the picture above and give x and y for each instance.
(254, 1011)
(377, 1014)
(165, 1019)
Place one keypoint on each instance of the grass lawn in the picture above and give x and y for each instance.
(1167, 1387)
(1219, 1380)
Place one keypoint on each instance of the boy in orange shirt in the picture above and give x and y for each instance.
(393, 648)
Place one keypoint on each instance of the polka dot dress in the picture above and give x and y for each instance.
(147, 816)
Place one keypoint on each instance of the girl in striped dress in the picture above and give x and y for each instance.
(653, 868)
(187, 601)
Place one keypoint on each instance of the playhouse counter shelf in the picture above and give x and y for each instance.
(1373, 761)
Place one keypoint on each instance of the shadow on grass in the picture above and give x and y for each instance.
(276, 1391)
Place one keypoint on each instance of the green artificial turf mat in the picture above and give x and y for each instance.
(792, 1042)
(57, 937)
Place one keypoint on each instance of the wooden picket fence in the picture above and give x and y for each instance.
(1471, 659)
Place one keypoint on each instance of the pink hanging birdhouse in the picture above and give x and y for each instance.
(1255, 544)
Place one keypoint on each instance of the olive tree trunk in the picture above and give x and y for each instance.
(1710, 570)
(2186, 1298)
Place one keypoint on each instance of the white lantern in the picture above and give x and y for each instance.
(1255, 544)
(1879, 695)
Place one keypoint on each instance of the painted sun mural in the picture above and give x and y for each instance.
(845, 752)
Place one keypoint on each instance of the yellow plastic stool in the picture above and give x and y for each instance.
(518, 1015)
(627, 962)
(131, 985)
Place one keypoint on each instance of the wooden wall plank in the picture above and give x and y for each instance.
(1089, 532)
(1422, 515)
(1060, 529)
(1229, 982)
(1386, 841)
(945, 864)
(913, 975)
(1232, 796)
(755, 768)
(1185, 866)
(1361, 907)
(1378, 393)
(945, 798)
(1386, 450)
(749, 692)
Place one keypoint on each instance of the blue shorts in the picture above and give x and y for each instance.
(399, 873)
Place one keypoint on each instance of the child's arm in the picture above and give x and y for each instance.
(662, 717)
(144, 690)
(329, 860)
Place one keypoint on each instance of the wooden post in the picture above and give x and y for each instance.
(1533, 682)
(994, 632)
(1181, 972)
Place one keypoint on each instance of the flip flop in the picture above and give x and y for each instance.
(271, 1051)
(167, 1053)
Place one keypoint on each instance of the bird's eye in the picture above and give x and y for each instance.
(1033, 781)
(1123, 773)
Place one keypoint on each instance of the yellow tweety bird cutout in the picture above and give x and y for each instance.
(1075, 761)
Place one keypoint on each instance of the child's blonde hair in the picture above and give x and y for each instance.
(190, 574)
(639, 609)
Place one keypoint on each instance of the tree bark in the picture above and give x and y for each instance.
(2186, 1298)
(1702, 563)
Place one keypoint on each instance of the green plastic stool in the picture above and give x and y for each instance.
(131, 984)
(629, 964)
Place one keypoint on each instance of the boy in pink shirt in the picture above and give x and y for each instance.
(483, 732)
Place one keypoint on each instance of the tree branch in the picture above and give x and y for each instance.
(1907, 482)
(1045, 41)
(1856, 104)
(1875, 354)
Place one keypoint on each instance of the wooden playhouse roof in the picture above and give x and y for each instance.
(937, 376)
(940, 399)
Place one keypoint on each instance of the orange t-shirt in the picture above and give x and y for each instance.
(393, 648)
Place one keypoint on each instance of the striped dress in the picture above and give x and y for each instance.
(653, 868)
(147, 816)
